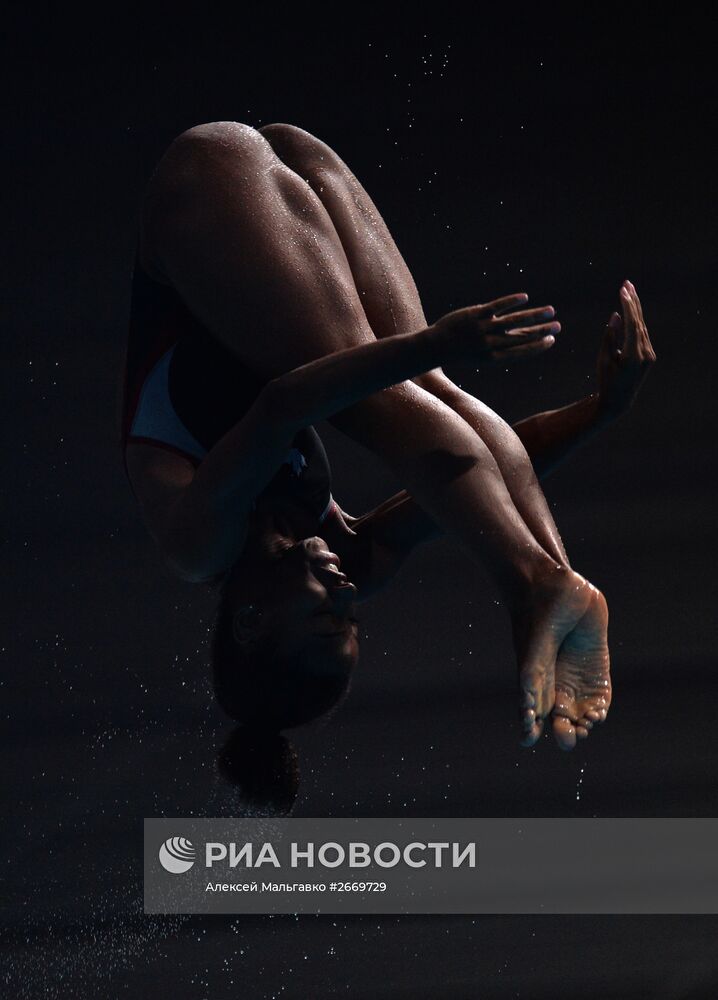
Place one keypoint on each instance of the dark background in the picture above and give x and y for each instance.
(511, 153)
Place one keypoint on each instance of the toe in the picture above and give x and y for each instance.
(549, 700)
(581, 732)
(532, 693)
(528, 695)
(564, 704)
(533, 735)
(527, 717)
(527, 710)
(532, 705)
(564, 732)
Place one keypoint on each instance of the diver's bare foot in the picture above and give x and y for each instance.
(562, 647)
(583, 680)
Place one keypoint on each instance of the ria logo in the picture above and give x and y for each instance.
(177, 855)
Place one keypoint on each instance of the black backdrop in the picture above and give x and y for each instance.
(510, 153)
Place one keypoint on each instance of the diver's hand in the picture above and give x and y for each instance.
(494, 333)
(625, 357)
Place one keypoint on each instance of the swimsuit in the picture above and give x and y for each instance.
(183, 391)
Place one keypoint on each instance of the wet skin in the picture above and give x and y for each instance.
(564, 661)
(344, 288)
(561, 636)
(560, 628)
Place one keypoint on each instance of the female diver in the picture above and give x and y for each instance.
(268, 294)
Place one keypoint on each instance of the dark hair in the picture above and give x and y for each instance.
(262, 689)
(260, 772)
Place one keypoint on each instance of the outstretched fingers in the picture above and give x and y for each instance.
(515, 333)
(642, 337)
(524, 333)
(500, 309)
(518, 347)
(497, 306)
(523, 341)
(525, 317)
(630, 326)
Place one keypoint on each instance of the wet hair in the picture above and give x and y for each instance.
(257, 686)
(260, 773)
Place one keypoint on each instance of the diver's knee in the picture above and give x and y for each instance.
(217, 135)
(213, 143)
(287, 136)
(203, 161)
(298, 148)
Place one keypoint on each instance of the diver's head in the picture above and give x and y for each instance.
(286, 641)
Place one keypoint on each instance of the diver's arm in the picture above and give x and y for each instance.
(624, 360)
(203, 531)
(551, 437)
(625, 357)
(335, 382)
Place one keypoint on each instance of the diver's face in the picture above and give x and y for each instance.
(309, 602)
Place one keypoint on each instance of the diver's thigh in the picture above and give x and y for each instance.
(384, 282)
(251, 249)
